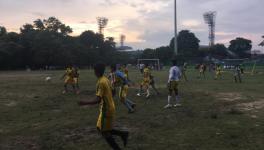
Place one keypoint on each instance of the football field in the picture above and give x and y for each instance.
(215, 114)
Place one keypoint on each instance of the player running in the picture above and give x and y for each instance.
(120, 81)
(173, 82)
(218, 73)
(68, 79)
(146, 82)
(76, 75)
(107, 109)
(237, 74)
(202, 70)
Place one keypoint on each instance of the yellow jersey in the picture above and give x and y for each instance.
(146, 73)
(69, 72)
(104, 91)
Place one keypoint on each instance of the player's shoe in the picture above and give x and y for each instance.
(131, 111)
(138, 94)
(133, 106)
(64, 92)
(177, 105)
(168, 106)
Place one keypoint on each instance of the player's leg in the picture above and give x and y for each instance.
(73, 86)
(184, 76)
(122, 97)
(176, 91)
(123, 134)
(154, 88)
(110, 140)
(147, 90)
(65, 88)
(235, 77)
(125, 93)
(76, 80)
(239, 78)
(170, 90)
(66, 82)
(140, 89)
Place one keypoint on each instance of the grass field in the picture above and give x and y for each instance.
(216, 114)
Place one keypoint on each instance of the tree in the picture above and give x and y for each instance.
(165, 54)
(188, 43)
(27, 28)
(53, 24)
(241, 47)
(219, 51)
(2, 31)
(39, 24)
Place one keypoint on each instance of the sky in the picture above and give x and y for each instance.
(146, 23)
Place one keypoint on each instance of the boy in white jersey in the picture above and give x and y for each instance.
(174, 78)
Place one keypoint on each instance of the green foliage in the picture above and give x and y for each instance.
(188, 43)
(219, 51)
(241, 46)
(48, 43)
(2, 31)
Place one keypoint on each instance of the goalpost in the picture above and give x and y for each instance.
(156, 61)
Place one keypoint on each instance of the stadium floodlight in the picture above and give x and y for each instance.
(102, 23)
(209, 18)
(175, 29)
(122, 40)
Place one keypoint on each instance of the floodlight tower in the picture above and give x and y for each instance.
(175, 29)
(102, 23)
(122, 40)
(209, 18)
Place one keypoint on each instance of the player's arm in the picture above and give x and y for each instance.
(97, 100)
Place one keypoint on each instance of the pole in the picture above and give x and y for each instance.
(175, 29)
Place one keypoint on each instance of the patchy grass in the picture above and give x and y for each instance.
(216, 114)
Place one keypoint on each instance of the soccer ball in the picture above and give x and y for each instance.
(48, 79)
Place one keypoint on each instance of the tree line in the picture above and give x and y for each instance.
(48, 42)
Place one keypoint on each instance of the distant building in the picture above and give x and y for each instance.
(124, 48)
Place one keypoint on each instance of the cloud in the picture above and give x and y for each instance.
(146, 23)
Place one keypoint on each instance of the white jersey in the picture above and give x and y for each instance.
(175, 74)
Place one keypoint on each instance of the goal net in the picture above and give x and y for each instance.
(153, 63)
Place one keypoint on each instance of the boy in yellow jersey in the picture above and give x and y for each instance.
(218, 73)
(76, 75)
(107, 109)
(120, 81)
(146, 82)
(68, 79)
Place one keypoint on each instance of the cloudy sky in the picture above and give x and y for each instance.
(146, 23)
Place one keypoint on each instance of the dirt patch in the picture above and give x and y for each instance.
(256, 105)
(29, 143)
(11, 104)
(232, 96)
